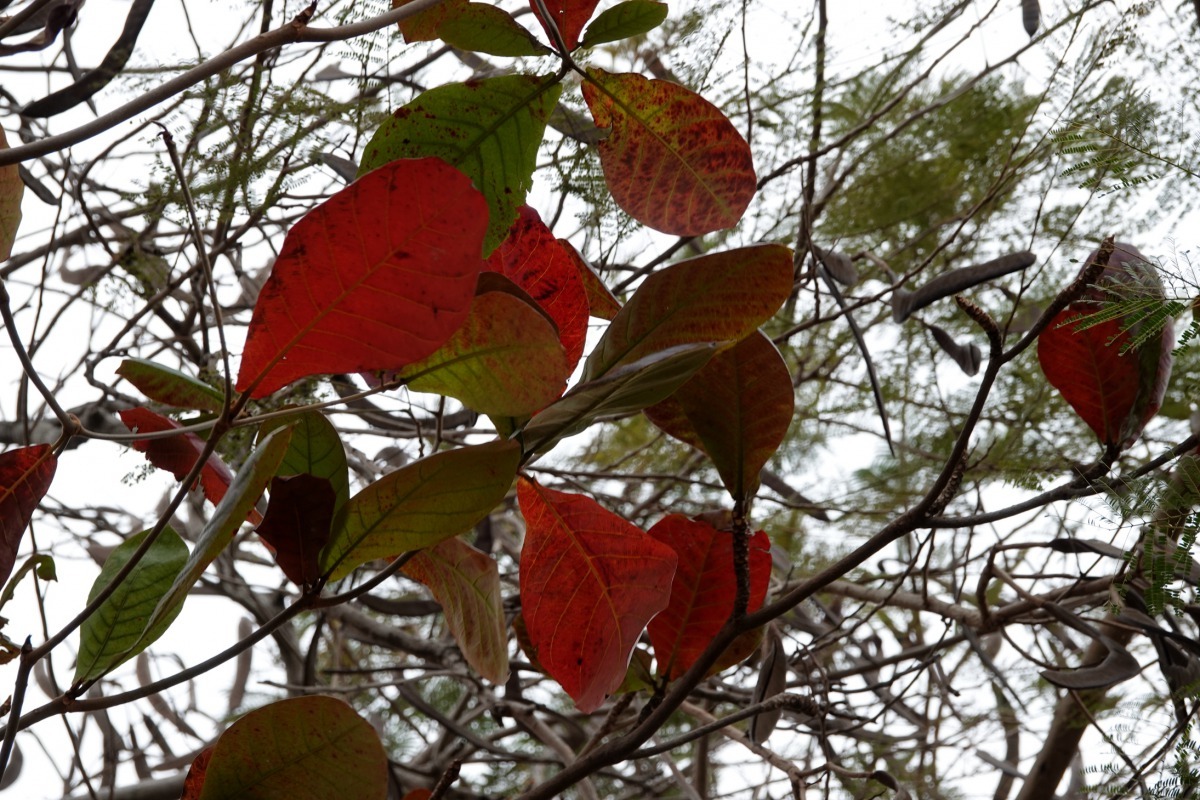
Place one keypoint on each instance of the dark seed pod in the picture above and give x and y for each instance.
(905, 302)
(968, 357)
(839, 266)
(1031, 14)
(772, 680)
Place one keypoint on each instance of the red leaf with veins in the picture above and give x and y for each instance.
(374, 278)
(297, 524)
(569, 15)
(590, 581)
(25, 476)
(703, 590)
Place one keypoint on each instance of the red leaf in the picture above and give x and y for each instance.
(537, 262)
(703, 589)
(590, 581)
(423, 26)
(297, 523)
(569, 15)
(193, 784)
(376, 277)
(177, 454)
(673, 161)
(601, 302)
(25, 476)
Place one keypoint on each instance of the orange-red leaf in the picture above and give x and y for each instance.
(297, 523)
(423, 26)
(569, 15)
(672, 160)
(25, 476)
(374, 278)
(193, 784)
(590, 581)
(601, 302)
(537, 262)
(703, 589)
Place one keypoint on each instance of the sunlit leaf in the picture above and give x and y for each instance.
(590, 581)
(374, 278)
(25, 476)
(630, 18)
(11, 191)
(116, 632)
(421, 504)
(490, 129)
(703, 590)
(314, 748)
(171, 387)
(484, 28)
(569, 16)
(467, 584)
(673, 161)
(297, 523)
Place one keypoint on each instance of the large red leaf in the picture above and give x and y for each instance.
(177, 454)
(672, 160)
(537, 262)
(569, 16)
(374, 278)
(737, 409)
(25, 476)
(297, 523)
(703, 589)
(590, 581)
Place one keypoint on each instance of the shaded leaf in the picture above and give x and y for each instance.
(703, 589)
(374, 278)
(772, 681)
(719, 297)
(423, 26)
(467, 584)
(421, 504)
(171, 387)
(630, 18)
(569, 16)
(601, 302)
(673, 161)
(314, 449)
(296, 525)
(11, 191)
(490, 129)
(116, 632)
(484, 28)
(505, 360)
(736, 409)
(316, 748)
(590, 581)
(25, 476)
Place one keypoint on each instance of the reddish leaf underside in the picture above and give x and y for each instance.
(569, 15)
(601, 302)
(374, 278)
(177, 454)
(703, 590)
(590, 581)
(537, 262)
(296, 525)
(25, 476)
(193, 784)
(672, 160)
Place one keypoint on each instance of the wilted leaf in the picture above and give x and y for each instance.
(171, 387)
(315, 748)
(484, 28)
(11, 191)
(590, 581)
(374, 278)
(25, 476)
(630, 18)
(467, 584)
(772, 681)
(296, 525)
(673, 161)
(568, 15)
(490, 129)
(421, 504)
(116, 632)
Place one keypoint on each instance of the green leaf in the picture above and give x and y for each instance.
(489, 129)
(117, 631)
(467, 584)
(315, 449)
(482, 28)
(421, 504)
(303, 748)
(171, 387)
(42, 563)
(631, 18)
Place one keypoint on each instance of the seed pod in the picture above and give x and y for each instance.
(1031, 15)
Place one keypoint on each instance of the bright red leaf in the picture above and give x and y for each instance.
(296, 525)
(703, 589)
(25, 476)
(672, 160)
(537, 262)
(590, 581)
(569, 16)
(374, 278)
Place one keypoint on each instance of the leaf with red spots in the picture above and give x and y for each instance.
(537, 262)
(11, 191)
(25, 476)
(569, 16)
(467, 584)
(736, 409)
(171, 387)
(314, 747)
(703, 590)
(193, 784)
(178, 454)
(296, 525)
(590, 581)
(672, 160)
(423, 26)
(601, 302)
(376, 277)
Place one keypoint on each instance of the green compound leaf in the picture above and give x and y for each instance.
(482, 28)
(171, 387)
(488, 129)
(114, 634)
(631, 18)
